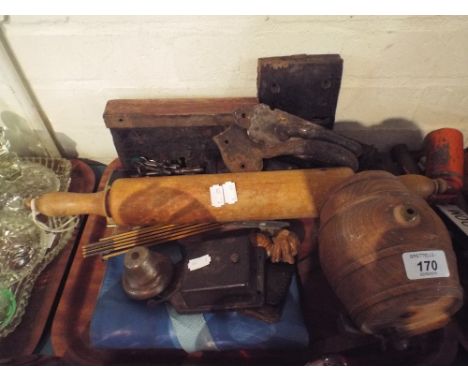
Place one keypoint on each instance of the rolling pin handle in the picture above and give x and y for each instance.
(56, 204)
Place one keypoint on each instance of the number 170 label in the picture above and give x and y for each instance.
(425, 264)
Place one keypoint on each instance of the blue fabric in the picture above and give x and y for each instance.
(232, 330)
(119, 322)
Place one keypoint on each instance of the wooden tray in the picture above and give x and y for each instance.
(321, 310)
(70, 330)
(24, 340)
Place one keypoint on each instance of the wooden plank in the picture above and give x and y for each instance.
(183, 112)
(303, 85)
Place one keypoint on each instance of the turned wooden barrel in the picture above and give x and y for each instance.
(388, 256)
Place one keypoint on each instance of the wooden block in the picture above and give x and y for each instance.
(154, 113)
(303, 85)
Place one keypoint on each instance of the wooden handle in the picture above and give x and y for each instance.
(71, 203)
(423, 186)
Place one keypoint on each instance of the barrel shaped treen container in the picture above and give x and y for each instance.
(388, 256)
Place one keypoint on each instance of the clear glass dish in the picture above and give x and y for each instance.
(25, 247)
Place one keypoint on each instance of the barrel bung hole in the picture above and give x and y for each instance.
(406, 215)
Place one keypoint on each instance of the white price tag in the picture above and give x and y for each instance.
(216, 195)
(225, 194)
(230, 193)
(425, 264)
(199, 262)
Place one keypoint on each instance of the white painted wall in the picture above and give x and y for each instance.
(400, 73)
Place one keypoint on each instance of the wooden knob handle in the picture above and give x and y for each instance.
(70, 203)
(423, 186)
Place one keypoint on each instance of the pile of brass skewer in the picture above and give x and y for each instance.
(119, 244)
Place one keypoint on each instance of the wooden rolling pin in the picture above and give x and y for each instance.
(269, 195)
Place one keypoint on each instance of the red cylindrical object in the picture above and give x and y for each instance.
(444, 157)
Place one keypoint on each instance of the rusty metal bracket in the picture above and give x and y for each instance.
(260, 133)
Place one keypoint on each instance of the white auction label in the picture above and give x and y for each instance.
(223, 194)
(199, 262)
(230, 192)
(425, 264)
(216, 195)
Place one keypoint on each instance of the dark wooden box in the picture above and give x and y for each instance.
(170, 129)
